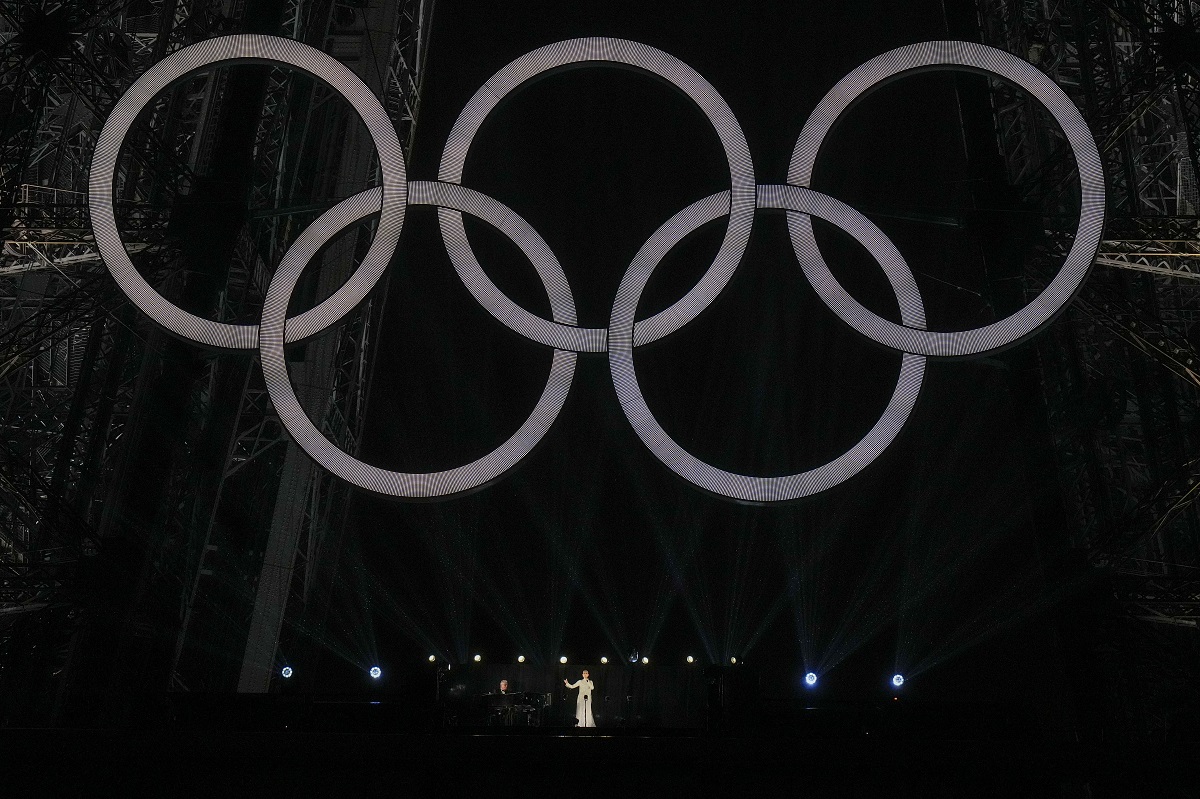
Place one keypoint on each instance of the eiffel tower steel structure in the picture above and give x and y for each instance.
(116, 575)
(1120, 373)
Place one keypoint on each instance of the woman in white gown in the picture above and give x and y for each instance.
(583, 705)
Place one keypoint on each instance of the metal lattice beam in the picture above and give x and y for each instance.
(65, 370)
(302, 548)
(1120, 371)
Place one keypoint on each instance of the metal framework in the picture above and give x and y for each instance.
(1121, 373)
(240, 518)
(69, 349)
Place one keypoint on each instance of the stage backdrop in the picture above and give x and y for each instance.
(940, 560)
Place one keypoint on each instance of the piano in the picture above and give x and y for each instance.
(516, 708)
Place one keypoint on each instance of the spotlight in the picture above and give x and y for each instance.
(733, 661)
(691, 659)
(287, 672)
(376, 672)
(604, 661)
(645, 661)
(563, 660)
(520, 658)
(478, 658)
(898, 680)
(432, 658)
(810, 679)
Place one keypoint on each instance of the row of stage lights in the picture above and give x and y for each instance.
(645, 661)
(810, 679)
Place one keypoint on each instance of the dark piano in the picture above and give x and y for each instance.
(516, 708)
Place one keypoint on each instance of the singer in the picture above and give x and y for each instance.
(583, 705)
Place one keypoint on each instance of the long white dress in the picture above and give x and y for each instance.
(583, 704)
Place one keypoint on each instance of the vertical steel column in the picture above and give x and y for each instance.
(1120, 371)
(300, 553)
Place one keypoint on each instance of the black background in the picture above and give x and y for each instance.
(935, 562)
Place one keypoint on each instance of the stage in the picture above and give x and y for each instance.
(340, 747)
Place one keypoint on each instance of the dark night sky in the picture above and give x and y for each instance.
(591, 546)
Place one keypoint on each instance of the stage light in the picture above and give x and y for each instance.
(604, 661)
(645, 661)
(733, 661)
(478, 658)
(563, 660)
(432, 658)
(898, 680)
(520, 658)
(287, 672)
(691, 659)
(810, 679)
(376, 672)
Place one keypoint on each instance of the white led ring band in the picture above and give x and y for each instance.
(1056, 295)
(604, 51)
(328, 454)
(719, 481)
(246, 48)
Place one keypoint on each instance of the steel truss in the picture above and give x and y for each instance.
(80, 372)
(69, 348)
(277, 584)
(297, 572)
(65, 342)
(1120, 371)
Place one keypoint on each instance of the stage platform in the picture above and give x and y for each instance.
(347, 749)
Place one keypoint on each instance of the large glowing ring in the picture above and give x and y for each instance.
(333, 457)
(243, 48)
(705, 475)
(649, 59)
(1056, 295)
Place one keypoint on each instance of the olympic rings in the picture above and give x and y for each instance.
(562, 332)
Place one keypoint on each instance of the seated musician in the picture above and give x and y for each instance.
(503, 711)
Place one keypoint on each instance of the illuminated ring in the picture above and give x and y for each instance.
(1043, 308)
(705, 475)
(263, 49)
(335, 459)
(655, 62)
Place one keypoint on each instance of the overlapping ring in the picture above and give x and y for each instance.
(623, 334)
